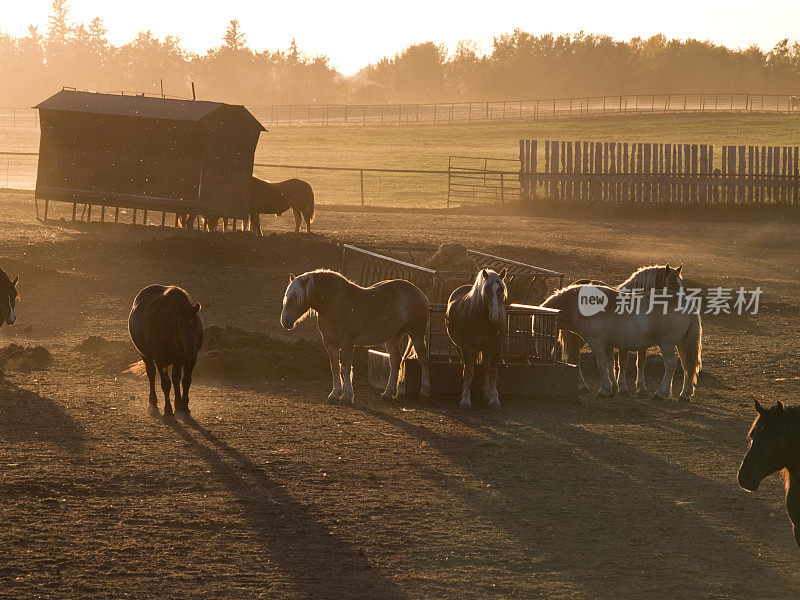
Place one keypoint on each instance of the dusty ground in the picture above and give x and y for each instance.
(273, 493)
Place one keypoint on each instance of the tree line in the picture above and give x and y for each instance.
(519, 66)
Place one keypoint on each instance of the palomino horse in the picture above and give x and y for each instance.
(775, 445)
(642, 280)
(8, 298)
(476, 323)
(277, 198)
(349, 315)
(166, 329)
(593, 313)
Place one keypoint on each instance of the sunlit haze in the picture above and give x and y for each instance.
(353, 34)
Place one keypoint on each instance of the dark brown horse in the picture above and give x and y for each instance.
(166, 329)
(277, 198)
(774, 446)
(8, 298)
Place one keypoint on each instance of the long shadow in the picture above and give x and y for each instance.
(26, 417)
(322, 564)
(585, 503)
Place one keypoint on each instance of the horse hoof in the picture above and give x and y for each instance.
(424, 394)
(658, 396)
(602, 394)
(684, 398)
(625, 393)
(465, 406)
(583, 389)
(495, 407)
(347, 399)
(333, 396)
(183, 413)
(643, 394)
(153, 411)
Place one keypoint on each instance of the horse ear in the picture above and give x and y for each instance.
(760, 409)
(666, 268)
(484, 273)
(679, 269)
(780, 406)
(16, 279)
(196, 307)
(291, 277)
(503, 273)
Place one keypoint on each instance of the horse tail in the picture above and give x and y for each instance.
(693, 341)
(137, 369)
(310, 211)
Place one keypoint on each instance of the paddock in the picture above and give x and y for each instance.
(273, 492)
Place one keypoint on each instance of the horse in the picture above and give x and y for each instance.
(277, 198)
(349, 315)
(166, 328)
(643, 279)
(8, 298)
(775, 446)
(476, 323)
(583, 311)
(794, 102)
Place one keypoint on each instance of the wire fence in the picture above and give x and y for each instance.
(466, 180)
(277, 115)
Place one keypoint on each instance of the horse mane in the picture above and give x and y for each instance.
(643, 278)
(569, 287)
(474, 298)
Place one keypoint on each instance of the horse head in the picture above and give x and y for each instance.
(8, 298)
(768, 450)
(296, 299)
(670, 278)
(190, 330)
(493, 293)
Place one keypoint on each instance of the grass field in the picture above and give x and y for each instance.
(428, 147)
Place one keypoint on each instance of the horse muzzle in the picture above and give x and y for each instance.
(748, 482)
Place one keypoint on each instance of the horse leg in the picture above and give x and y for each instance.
(613, 369)
(490, 381)
(622, 378)
(421, 348)
(394, 347)
(165, 387)
(641, 386)
(572, 354)
(665, 390)
(347, 372)
(150, 367)
(333, 357)
(176, 385)
(604, 362)
(468, 363)
(186, 382)
(298, 218)
(689, 382)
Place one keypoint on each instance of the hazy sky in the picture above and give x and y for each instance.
(354, 33)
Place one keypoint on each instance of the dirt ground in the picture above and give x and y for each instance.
(272, 493)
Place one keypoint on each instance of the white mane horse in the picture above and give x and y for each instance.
(669, 325)
(642, 280)
(349, 315)
(476, 323)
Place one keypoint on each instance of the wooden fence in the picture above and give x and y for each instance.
(660, 173)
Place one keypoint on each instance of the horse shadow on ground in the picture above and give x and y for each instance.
(324, 565)
(28, 417)
(587, 504)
